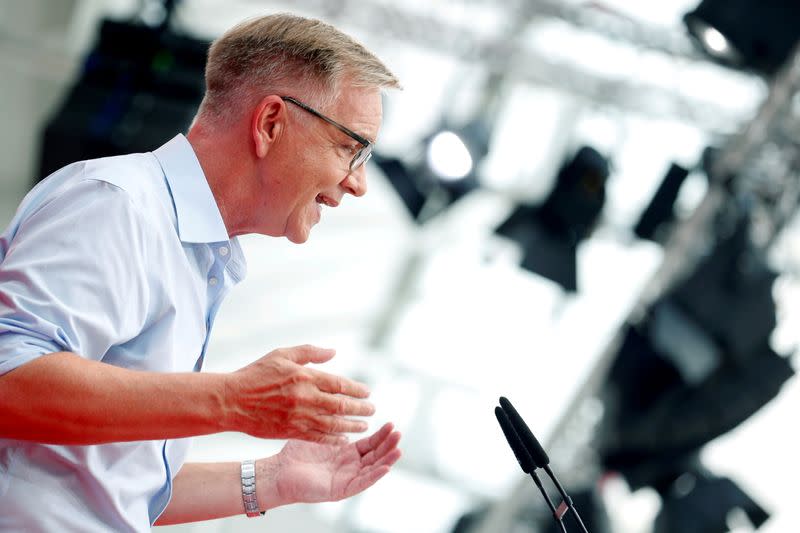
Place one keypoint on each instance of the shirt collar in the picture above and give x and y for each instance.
(199, 219)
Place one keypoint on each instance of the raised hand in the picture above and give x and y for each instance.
(309, 472)
(279, 397)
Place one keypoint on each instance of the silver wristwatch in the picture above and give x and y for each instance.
(249, 488)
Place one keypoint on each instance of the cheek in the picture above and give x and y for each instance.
(315, 172)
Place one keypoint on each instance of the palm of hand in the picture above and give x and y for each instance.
(310, 472)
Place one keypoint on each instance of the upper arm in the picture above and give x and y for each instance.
(74, 276)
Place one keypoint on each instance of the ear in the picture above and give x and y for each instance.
(267, 123)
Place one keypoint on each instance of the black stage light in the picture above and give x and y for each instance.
(660, 212)
(678, 381)
(704, 505)
(405, 183)
(548, 254)
(699, 364)
(681, 418)
(753, 34)
(658, 416)
(730, 294)
(573, 206)
(138, 87)
(452, 157)
(695, 367)
(453, 154)
(549, 233)
(445, 171)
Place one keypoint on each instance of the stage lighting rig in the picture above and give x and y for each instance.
(138, 86)
(659, 214)
(752, 34)
(696, 366)
(549, 233)
(444, 169)
(703, 505)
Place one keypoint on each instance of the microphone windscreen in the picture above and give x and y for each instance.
(535, 449)
(523, 457)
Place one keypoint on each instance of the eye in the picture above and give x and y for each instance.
(347, 151)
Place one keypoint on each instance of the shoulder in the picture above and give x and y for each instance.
(97, 196)
(138, 176)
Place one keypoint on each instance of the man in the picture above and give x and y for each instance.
(111, 274)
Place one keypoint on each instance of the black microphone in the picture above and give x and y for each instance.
(538, 455)
(525, 460)
(535, 449)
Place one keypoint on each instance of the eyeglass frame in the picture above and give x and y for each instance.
(366, 145)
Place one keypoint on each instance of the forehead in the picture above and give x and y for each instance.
(360, 109)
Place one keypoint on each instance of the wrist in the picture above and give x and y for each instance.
(228, 412)
(267, 484)
(249, 494)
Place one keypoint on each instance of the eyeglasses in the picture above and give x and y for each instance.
(363, 154)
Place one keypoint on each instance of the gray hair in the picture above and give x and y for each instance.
(288, 55)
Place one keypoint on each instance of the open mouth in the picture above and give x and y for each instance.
(324, 200)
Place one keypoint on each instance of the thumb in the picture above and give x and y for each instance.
(308, 354)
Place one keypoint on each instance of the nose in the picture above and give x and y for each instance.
(356, 182)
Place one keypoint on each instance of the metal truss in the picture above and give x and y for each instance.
(505, 55)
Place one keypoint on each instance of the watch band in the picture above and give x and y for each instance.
(249, 488)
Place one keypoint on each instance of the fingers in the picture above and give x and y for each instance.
(279, 397)
(367, 479)
(321, 437)
(330, 383)
(341, 405)
(389, 459)
(336, 424)
(329, 413)
(379, 448)
(307, 353)
(368, 444)
(372, 474)
(339, 385)
(387, 448)
(316, 427)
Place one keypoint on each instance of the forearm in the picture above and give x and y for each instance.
(205, 491)
(62, 398)
(301, 472)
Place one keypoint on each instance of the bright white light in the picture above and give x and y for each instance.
(715, 41)
(448, 156)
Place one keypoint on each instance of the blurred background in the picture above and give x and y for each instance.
(586, 206)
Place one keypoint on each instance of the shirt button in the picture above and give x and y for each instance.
(223, 251)
(212, 281)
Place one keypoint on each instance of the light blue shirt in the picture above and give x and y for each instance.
(123, 260)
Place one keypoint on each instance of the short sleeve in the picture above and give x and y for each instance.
(74, 276)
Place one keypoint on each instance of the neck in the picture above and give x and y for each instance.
(226, 165)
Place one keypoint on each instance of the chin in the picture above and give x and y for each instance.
(298, 229)
(296, 240)
(299, 237)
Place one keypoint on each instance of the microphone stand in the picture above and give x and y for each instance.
(566, 498)
(538, 456)
(526, 462)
